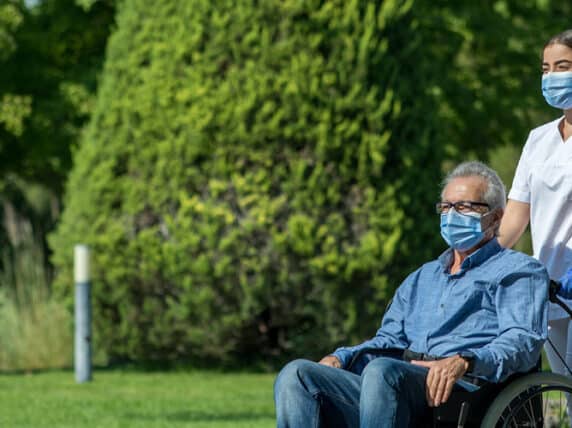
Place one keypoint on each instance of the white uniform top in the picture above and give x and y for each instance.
(543, 179)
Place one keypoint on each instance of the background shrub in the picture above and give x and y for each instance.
(258, 177)
(242, 179)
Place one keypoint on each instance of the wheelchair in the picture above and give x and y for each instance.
(525, 400)
(533, 400)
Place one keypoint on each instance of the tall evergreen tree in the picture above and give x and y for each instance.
(248, 173)
(258, 177)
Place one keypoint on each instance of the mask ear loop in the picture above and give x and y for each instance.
(486, 215)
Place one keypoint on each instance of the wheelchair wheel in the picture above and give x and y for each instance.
(536, 400)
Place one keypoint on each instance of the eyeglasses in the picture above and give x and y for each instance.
(462, 207)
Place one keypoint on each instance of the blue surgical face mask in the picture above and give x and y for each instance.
(557, 89)
(461, 231)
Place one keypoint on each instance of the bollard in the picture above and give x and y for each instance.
(82, 347)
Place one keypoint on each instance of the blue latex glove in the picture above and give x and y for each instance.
(566, 285)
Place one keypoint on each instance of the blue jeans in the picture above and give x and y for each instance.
(389, 393)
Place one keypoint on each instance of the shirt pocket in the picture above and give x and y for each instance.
(481, 302)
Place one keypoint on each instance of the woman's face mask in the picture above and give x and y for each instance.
(557, 89)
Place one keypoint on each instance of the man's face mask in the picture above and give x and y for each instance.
(557, 89)
(461, 231)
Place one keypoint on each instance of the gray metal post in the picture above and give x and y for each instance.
(82, 314)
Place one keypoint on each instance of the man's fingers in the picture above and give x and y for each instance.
(431, 386)
(448, 390)
(438, 386)
(440, 390)
(429, 381)
(441, 378)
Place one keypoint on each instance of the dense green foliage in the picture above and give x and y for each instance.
(50, 53)
(257, 178)
(491, 92)
(247, 177)
(197, 399)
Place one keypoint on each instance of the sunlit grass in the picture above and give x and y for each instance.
(200, 399)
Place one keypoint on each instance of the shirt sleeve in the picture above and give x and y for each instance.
(520, 190)
(521, 303)
(391, 333)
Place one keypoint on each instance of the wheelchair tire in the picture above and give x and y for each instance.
(530, 401)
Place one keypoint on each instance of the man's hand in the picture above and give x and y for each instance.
(330, 360)
(442, 377)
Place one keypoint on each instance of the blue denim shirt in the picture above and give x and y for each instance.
(494, 307)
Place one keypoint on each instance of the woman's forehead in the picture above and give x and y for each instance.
(556, 52)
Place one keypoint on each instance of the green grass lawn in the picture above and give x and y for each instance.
(200, 399)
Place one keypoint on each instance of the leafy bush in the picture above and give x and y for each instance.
(249, 175)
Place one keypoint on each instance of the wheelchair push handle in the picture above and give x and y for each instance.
(553, 290)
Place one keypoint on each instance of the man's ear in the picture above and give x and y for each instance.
(498, 218)
(498, 215)
(493, 219)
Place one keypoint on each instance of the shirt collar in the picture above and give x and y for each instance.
(485, 252)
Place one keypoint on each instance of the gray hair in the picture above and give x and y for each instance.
(495, 193)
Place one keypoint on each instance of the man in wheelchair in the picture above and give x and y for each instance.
(477, 312)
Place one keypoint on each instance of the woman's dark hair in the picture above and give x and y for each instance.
(564, 38)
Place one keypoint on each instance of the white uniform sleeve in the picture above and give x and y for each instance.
(520, 190)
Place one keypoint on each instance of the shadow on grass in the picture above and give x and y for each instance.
(189, 416)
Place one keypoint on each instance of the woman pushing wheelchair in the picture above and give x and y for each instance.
(541, 194)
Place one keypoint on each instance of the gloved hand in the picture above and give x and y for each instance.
(565, 290)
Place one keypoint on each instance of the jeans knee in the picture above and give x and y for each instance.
(385, 370)
(291, 374)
